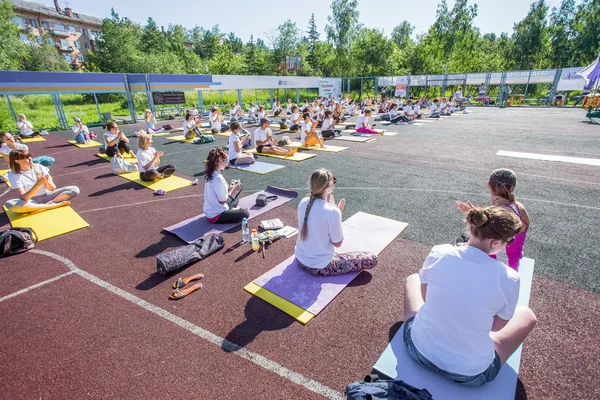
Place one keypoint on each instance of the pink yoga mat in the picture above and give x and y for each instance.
(196, 227)
(362, 232)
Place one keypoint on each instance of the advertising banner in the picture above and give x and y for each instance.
(330, 87)
(264, 82)
(401, 85)
(569, 80)
(386, 81)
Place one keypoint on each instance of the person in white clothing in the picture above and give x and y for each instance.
(115, 141)
(149, 161)
(277, 108)
(216, 122)
(263, 138)
(288, 107)
(328, 130)
(220, 199)
(81, 132)
(309, 136)
(460, 311)
(237, 141)
(294, 121)
(434, 110)
(25, 127)
(34, 185)
(9, 143)
(190, 127)
(321, 232)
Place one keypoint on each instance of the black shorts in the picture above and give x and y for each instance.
(260, 148)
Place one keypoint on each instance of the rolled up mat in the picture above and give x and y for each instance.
(173, 260)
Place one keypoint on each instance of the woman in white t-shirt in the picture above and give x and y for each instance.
(25, 127)
(362, 124)
(34, 185)
(277, 108)
(320, 227)
(190, 127)
(263, 139)
(237, 141)
(81, 132)
(8, 144)
(295, 119)
(309, 136)
(288, 107)
(328, 129)
(149, 161)
(115, 141)
(434, 110)
(220, 199)
(216, 122)
(461, 313)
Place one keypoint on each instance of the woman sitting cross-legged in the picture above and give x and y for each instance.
(34, 185)
(26, 129)
(190, 127)
(320, 226)
(263, 138)
(461, 315)
(237, 141)
(216, 121)
(81, 133)
(220, 199)
(9, 144)
(329, 125)
(150, 121)
(149, 161)
(396, 117)
(115, 141)
(309, 136)
(362, 123)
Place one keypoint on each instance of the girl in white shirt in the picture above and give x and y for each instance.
(190, 127)
(396, 117)
(309, 136)
(149, 161)
(295, 118)
(220, 199)
(25, 127)
(434, 110)
(216, 122)
(115, 141)
(320, 227)
(362, 124)
(151, 122)
(277, 108)
(34, 185)
(237, 141)
(461, 313)
(289, 106)
(262, 113)
(328, 129)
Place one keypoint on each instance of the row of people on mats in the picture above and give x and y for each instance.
(466, 294)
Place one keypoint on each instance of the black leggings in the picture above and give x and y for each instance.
(400, 118)
(230, 215)
(330, 133)
(113, 150)
(153, 174)
(295, 127)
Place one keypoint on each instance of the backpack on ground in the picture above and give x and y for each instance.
(16, 240)
(180, 257)
(204, 139)
(373, 388)
(167, 127)
(120, 166)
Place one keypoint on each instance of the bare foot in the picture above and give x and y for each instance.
(131, 154)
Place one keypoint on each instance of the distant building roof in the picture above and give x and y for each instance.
(51, 12)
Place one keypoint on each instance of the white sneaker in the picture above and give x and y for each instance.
(44, 133)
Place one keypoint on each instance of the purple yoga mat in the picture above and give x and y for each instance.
(362, 232)
(196, 227)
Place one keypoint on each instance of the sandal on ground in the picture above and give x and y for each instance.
(181, 282)
(180, 294)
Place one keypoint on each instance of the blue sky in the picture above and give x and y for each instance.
(246, 17)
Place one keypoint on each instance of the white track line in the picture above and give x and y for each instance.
(225, 344)
(549, 157)
(141, 202)
(37, 285)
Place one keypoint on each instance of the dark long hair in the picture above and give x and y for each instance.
(215, 156)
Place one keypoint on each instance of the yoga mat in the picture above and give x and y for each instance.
(261, 168)
(196, 227)
(288, 287)
(225, 134)
(397, 364)
(3, 173)
(33, 139)
(167, 184)
(127, 157)
(328, 148)
(176, 130)
(548, 157)
(296, 157)
(50, 223)
(386, 133)
(161, 134)
(359, 139)
(182, 138)
(92, 143)
(354, 131)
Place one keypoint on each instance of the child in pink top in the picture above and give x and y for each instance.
(502, 184)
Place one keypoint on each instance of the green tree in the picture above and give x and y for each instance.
(237, 46)
(286, 41)
(531, 38)
(562, 34)
(153, 40)
(374, 54)
(587, 32)
(401, 35)
(342, 28)
(44, 57)
(12, 50)
(226, 62)
(255, 58)
(207, 41)
(313, 39)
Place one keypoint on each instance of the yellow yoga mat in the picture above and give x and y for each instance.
(328, 148)
(3, 173)
(289, 308)
(33, 139)
(181, 138)
(50, 223)
(167, 184)
(127, 157)
(161, 134)
(296, 157)
(92, 143)
(225, 134)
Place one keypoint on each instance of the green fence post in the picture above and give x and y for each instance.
(149, 96)
(376, 80)
(220, 98)
(200, 101)
(12, 110)
(271, 95)
(297, 96)
(128, 96)
(240, 98)
(97, 108)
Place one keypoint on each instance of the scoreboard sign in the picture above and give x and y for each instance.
(168, 97)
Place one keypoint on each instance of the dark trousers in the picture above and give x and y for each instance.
(295, 127)
(230, 215)
(112, 151)
(330, 133)
(224, 128)
(154, 174)
(400, 118)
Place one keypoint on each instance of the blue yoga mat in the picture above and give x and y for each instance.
(396, 363)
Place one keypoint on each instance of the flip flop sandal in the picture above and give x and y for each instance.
(180, 294)
(181, 282)
(160, 192)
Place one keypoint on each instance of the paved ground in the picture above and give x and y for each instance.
(105, 328)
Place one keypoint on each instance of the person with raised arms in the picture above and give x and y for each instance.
(26, 129)
(338, 113)
(321, 232)
(434, 110)
(150, 121)
(9, 143)
(295, 119)
(262, 113)
(190, 127)
(288, 108)
(362, 124)
(237, 141)
(149, 161)
(460, 311)
(34, 185)
(216, 122)
(263, 138)
(220, 199)
(115, 141)
(81, 133)
(309, 136)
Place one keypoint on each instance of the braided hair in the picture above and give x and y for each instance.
(319, 181)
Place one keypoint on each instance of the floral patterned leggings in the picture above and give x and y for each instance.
(345, 262)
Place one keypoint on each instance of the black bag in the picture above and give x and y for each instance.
(16, 240)
(263, 199)
(373, 388)
(198, 250)
(167, 127)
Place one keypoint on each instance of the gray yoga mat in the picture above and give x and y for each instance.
(196, 227)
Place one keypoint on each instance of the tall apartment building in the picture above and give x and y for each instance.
(73, 34)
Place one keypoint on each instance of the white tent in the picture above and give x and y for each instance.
(591, 74)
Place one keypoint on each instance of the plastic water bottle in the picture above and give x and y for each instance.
(245, 231)
(255, 244)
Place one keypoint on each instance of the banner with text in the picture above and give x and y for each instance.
(330, 87)
(401, 85)
(264, 82)
(569, 80)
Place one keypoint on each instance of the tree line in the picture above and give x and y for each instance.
(564, 36)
